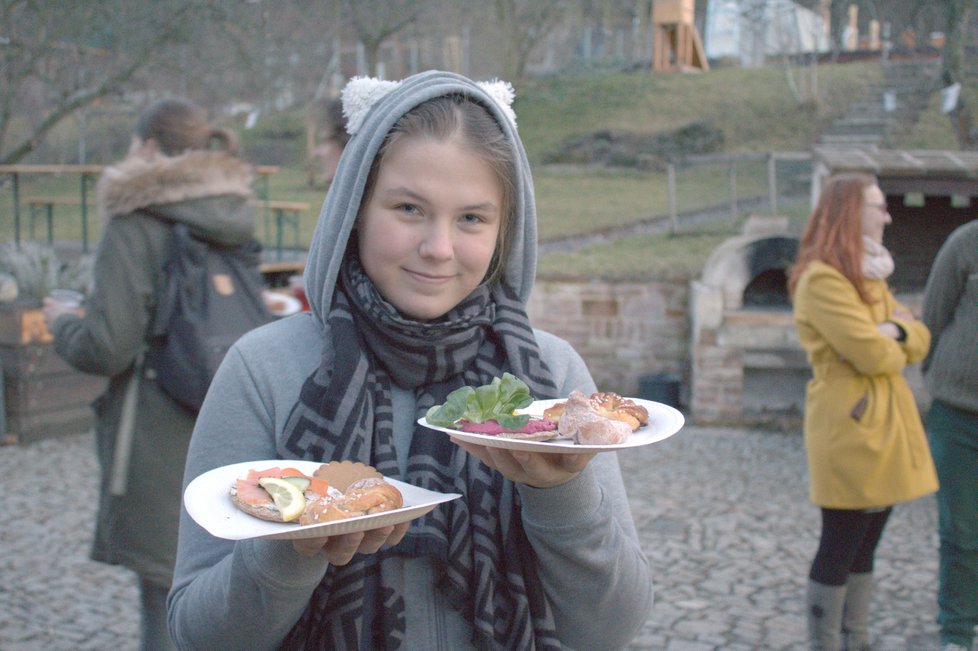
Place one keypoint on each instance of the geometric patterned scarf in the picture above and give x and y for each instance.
(477, 542)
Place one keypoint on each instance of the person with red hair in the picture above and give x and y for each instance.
(864, 439)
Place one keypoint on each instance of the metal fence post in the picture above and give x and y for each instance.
(772, 182)
(733, 190)
(673, 216)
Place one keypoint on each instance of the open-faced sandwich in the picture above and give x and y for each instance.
(491, 409)
(335, 491)
(603, 418)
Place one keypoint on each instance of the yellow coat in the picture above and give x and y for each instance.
(864, 439)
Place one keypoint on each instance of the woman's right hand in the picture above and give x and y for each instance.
(889, 329)
(339, 550)
(52, 309)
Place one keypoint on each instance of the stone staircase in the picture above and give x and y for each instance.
(893, 103)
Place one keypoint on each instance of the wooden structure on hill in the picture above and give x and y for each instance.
(676, 42)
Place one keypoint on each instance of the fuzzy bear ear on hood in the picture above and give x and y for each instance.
(361, 93)
(372, 107)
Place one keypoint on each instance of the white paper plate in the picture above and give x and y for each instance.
(208, 502)
(664, 421)
(285, 305)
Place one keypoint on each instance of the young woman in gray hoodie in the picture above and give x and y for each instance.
(418, 273)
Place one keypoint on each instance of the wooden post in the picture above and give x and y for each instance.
(84, 211)
(676, 43)
(874, 34)
(732, 183)
(852, 30)
(673, 216)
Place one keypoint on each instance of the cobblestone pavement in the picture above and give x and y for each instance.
(723, 515)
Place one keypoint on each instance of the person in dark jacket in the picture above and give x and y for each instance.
(951, 378)
(179, 169)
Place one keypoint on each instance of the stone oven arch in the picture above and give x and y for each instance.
(739, 261)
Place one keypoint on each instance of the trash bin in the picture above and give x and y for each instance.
(660, 387)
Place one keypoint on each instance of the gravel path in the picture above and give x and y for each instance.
(723, 515)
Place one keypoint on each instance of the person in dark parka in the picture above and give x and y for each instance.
(180, 169)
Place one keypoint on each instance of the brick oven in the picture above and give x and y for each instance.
(747, 366)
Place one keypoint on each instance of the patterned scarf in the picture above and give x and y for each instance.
(344, 412)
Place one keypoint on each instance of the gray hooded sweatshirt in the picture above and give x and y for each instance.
(248, 594)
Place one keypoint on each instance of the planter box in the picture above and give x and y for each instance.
(44, 396)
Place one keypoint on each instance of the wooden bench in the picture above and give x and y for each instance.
(285, 214)
(277, 274)
(45, 205)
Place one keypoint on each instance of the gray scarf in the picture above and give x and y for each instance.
(344, 412)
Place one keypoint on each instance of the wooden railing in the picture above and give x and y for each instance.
(281, 215)
(86, 173)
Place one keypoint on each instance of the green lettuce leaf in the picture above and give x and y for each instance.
(494, 401)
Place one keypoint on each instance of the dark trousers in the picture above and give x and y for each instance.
(953, 437)
(155, 635)
(847, 544)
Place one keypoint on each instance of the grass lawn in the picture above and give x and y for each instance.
(753, 108)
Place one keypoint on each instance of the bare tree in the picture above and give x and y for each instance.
(524, 24)
(58, 58)
(377, 20)
(958, 13)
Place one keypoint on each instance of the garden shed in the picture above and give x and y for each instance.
(929, 194)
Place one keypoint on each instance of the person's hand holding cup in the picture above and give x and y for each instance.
(61, 301)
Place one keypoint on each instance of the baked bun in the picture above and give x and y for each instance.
(363, 497)
(612, 405)
(607, 404)
(581, 422)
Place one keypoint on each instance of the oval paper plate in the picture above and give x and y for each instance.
(208, 502)
(280, 304)
(664, 421)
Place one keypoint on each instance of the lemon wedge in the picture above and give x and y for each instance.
(288, 498)
(302, 483)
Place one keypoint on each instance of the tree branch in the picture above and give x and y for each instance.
(84, 97)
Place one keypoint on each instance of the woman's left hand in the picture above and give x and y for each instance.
(536, 469)
(902, 313)
(340, 549)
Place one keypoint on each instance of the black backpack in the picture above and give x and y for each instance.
(213, 295)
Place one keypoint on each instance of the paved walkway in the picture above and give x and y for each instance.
(723, 515)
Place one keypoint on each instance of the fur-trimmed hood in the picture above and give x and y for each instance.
(208, 190)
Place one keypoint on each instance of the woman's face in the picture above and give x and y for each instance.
(875, 214)
(428, 231)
